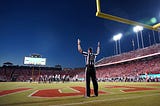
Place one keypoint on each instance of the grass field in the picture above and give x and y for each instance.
(117, 94)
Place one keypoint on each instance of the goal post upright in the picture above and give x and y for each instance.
(121, 20)
(98, 5)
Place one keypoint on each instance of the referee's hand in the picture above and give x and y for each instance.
(98, 43)
(79, 41)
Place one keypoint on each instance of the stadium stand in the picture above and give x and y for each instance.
(139, 65)
(130, 66)
(130, 55)
(24, 73)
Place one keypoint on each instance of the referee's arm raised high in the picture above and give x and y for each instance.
(79, 46)
(98, 49)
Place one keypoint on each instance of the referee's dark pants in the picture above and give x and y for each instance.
(90, 72)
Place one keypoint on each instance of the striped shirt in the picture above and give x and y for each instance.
(89, 58)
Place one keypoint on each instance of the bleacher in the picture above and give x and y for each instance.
(24, 73)
(131, 64)
(133, 55)
(125, 65)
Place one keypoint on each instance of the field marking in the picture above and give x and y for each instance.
(15, 92)
(74, 89)
(33, 93)
(112, 99)
(127, 89)
(60, 91)
(49, 97)
(41, 97)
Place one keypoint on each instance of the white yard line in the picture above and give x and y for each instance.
(74, 89)
(60, 91)
(33, 93)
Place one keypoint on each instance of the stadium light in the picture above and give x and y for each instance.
(117, 38)
(137, 29)
(141, 29)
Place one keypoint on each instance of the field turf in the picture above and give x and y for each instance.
(116, 94)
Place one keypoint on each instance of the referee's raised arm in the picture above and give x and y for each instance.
(79, 46)
(98, 48)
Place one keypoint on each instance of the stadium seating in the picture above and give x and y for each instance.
(130, 55)
(122, 67)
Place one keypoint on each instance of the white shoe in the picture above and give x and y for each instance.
(86, 96)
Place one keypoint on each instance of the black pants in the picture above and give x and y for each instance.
(90, 72)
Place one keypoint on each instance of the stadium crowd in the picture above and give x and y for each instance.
(131, 55)
(40, 74)
(130, 71)
(136, 65)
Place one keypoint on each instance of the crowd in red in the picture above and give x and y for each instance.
(26, 73)
(132, 69)
(131, 55)
(127, 66)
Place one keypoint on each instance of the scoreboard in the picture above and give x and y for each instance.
(34, 61)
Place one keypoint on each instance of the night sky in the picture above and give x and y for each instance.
(51, 28)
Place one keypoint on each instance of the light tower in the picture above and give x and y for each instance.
(136, 29)
(117, 38)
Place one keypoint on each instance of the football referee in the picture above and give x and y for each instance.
(90, 71)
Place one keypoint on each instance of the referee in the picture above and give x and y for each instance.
(90, 71)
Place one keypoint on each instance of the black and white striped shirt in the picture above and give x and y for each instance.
(90, 58)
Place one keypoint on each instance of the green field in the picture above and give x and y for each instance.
(113, 97)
